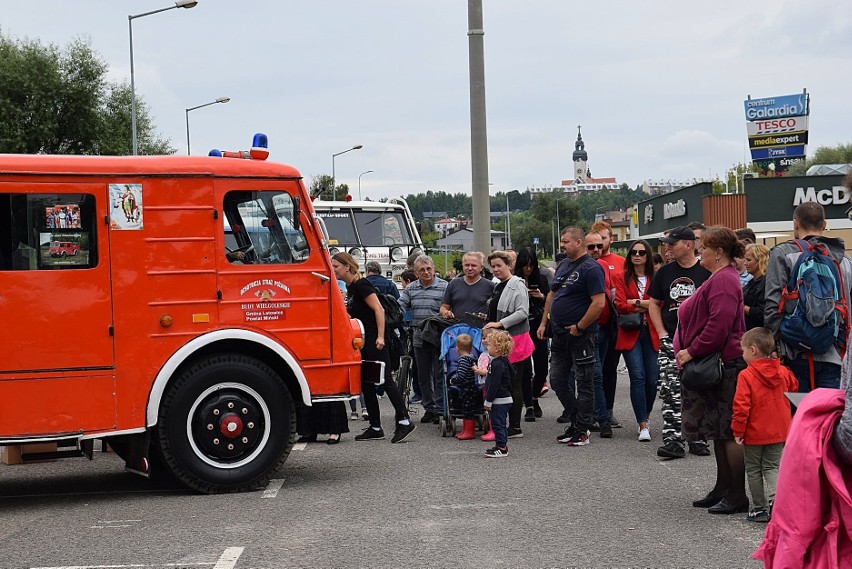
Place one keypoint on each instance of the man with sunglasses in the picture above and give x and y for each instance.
(613, 265)
(671, 286)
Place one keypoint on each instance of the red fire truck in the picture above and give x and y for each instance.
(160, 340)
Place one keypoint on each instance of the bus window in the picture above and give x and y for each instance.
(382, 228)
(341, 229)
(261, 225)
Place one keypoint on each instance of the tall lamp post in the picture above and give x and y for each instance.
(218, 100)
(178, 4)
(333, 156)
(558, 227)
(359, 182)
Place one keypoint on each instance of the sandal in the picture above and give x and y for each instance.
(333, 439)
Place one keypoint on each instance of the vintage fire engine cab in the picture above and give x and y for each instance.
(156, 335)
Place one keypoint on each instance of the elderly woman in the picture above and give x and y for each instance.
(508, 309)
(754, 297)
(712, 321)
(362, 302)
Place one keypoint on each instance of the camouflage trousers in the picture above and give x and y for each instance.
(670, 395)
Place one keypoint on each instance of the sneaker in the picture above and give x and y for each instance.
(606, 431)
(354, 416)
(365, 415)
(529, 416)
(497, 452)
(515, 434)
(759, 516)
(567, 435)
(564, 418)
(537, 409)
(613, 422)
(544, 391)
(370, 434)
(415, 399)
(671, 449)
(428, 417)
(580, 439)
(644, 435)
(595, 428)
(699, 449)
(402, 431)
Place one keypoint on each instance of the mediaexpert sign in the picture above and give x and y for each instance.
(776, 107)
(785, 139)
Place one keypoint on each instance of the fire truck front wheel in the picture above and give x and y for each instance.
(226, 424)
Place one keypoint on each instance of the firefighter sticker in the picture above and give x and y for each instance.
(126, 206)
(262, 300)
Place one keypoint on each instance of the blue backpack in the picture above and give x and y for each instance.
(812, 304)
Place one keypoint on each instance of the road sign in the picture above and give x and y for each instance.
(535, 240)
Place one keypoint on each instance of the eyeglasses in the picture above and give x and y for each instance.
(639, 253)
(425, 270)
(594, 246)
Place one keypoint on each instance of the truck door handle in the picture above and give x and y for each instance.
(322, 277)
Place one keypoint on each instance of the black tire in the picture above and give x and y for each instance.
(226, 424)
(63, 254)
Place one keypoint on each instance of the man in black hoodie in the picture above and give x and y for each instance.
(808, 224)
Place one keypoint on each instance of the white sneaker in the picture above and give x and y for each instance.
(354, 416)
(644, 435)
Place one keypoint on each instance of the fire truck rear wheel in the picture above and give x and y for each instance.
(226, 424)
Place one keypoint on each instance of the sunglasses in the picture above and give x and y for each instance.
(638, 253)
(595, 246)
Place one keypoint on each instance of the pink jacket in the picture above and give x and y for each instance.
(812, 516)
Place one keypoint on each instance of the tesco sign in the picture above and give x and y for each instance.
(777, 126)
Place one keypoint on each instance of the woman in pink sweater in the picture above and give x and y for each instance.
(712, 320)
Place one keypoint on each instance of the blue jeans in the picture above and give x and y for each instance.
(644, 371)
(499, 421)
(578, 354)
(825, 374)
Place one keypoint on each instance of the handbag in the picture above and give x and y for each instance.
(702, 374)
(630, 321)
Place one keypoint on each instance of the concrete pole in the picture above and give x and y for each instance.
(478, 132)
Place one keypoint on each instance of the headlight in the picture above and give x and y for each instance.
(397, 254)
(416, 251)
(356, 253)
(333, 251)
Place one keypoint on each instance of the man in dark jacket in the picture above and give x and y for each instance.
(382, 284)
(808, 224)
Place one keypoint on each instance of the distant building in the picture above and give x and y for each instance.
(446, 226)
(659, 187)
(462, 240)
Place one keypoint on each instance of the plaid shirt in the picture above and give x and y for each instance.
(423, 302)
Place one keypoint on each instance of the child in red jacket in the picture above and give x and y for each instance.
(761, 417)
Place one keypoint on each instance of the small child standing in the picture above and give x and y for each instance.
(464, 381)
(498, 390)
(761, 417)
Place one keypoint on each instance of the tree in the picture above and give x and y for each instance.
(57, 101)
(321, 186)
(840, 154)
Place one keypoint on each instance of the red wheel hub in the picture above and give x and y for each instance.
(231, 426)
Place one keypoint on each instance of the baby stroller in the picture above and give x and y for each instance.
(449, 359)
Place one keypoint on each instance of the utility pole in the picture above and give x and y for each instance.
(478, 131)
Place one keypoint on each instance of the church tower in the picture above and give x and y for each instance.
(580, 158)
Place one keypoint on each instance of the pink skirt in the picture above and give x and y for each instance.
(522, 349)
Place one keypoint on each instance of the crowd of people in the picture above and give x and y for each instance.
(714, 297)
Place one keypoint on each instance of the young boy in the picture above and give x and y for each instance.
(464, 382)
(498, 390)
(761, 417)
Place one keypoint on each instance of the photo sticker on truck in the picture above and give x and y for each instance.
(126, 202)
(262, 304)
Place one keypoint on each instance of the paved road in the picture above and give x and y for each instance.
(430, 502)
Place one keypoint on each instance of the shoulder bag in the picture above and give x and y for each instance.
(702, 374)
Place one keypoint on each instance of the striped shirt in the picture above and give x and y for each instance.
(423, 302)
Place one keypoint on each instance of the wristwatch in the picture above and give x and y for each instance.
(637, 302)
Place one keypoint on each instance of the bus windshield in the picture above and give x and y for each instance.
(382, 228)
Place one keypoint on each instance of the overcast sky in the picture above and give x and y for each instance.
(658, 87)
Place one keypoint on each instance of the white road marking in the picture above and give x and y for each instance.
(229, 558)
(300, 446)
(126, 566)
(273, 488)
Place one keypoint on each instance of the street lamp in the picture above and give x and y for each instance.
(178, 4)
(558, 227)
(218, 100)
(359, 182)
(333, 156)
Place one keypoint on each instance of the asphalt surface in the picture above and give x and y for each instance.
(428, 502)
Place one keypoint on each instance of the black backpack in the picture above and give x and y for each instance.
(393, 311)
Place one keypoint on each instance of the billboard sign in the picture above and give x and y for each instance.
(784, 139)
(777, 126)
(777, 152)
(776, 107)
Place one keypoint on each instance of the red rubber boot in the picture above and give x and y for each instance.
(489, 436)
(468, 430)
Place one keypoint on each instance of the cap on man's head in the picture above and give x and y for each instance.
(681, 233)
(373, 267)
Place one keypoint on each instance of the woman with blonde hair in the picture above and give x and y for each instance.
(754, 297)
(362, 302)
